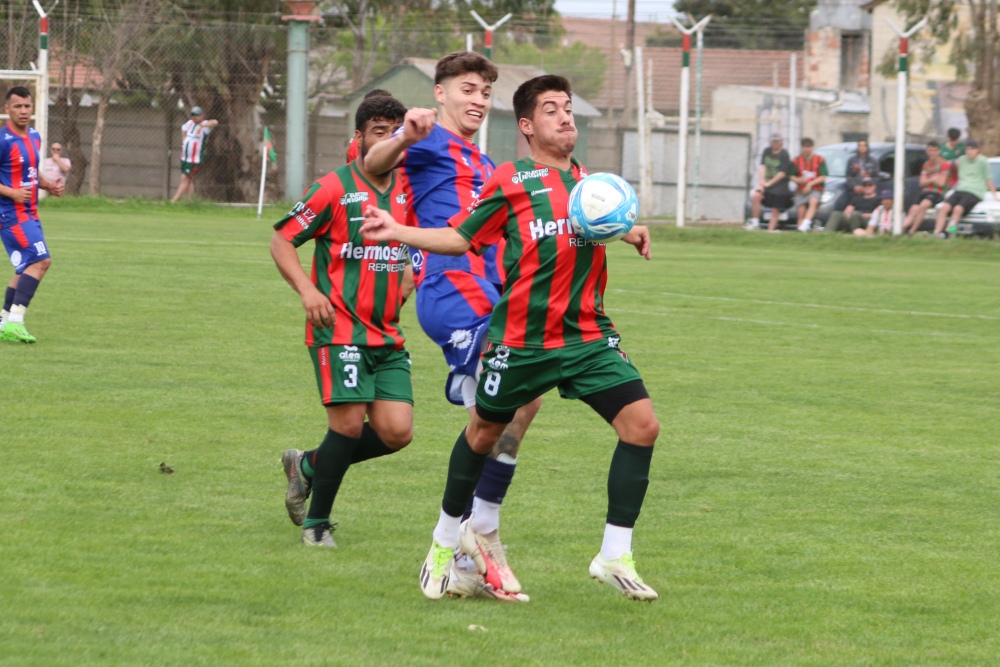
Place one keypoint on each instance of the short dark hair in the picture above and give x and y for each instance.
(806, 141)
(463, 62)
(934, 144)
(526, 95)
(377, 91)
(954, 133)
(20, 91)
(385, 107)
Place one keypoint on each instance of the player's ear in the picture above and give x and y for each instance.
(439, 93)
(526, 127)
(357, 135)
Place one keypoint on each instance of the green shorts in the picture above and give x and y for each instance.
(354, 374)
(188, 168)
(514, 377)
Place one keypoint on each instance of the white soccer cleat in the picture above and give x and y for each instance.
(622, 575)
(470, 584)
(490, 557)
(434, 573)
(806, 226)
(319, 536)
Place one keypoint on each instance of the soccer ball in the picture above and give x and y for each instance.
(603, 207)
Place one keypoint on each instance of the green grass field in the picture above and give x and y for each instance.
(824, 491)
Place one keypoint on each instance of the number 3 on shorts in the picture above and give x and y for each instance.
(492, 384)
(352, 375)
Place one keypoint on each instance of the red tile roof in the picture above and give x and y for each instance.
(720, 67)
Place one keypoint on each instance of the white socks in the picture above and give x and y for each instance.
(617, 542)
(446, 530)
(485, 517)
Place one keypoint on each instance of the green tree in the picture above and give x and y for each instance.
(975, 53)
(750, 24)
(583, 65)
(535, 21)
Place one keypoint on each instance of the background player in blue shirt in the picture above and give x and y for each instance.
(445, 172)
(20, 178)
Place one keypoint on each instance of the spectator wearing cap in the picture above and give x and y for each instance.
(880, 221)
(861, 166)
(973, 172)
(858, 210)
(56, 166)
(772, 185)
(195, 132)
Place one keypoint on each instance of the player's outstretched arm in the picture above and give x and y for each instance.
(387, 154)
(319, 310)
(639, 238)
(380, 226)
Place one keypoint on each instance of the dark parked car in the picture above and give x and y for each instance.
(836, 156)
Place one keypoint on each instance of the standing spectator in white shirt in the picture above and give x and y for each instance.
(56, 166)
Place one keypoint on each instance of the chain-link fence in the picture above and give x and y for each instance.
(122, 84)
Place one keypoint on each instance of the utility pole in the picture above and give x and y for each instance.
(488, 52)
(295, 104)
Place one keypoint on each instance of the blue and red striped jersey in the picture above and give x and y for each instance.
(19, 165)
(444, 175)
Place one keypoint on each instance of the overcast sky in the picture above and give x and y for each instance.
(645, 10)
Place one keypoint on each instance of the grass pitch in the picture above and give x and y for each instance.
(824, 490)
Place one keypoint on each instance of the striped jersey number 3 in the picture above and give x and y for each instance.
(352, 375)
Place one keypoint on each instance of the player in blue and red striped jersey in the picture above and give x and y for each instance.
(20, 178)
(445, 172)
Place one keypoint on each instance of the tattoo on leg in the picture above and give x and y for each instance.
(507, 444)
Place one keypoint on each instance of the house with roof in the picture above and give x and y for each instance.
(412, 83)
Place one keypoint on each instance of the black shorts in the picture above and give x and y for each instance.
(777, 200)
(934, 198)
(966, 200)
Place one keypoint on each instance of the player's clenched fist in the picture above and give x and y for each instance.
(417, 124)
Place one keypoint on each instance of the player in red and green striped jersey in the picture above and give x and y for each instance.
(549, 329)
(352, 301)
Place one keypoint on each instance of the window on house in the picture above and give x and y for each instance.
(851, 58)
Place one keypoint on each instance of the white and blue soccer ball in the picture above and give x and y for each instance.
(603, 207)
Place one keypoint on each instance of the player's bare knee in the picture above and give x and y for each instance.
(398, 438)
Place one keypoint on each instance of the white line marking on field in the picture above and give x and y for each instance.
(816, 305)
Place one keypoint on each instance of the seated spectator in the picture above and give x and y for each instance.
(861, 166)
(973, 172)
(56, 166)
(880, 221)
(934, 177)
(858, 211)
(809, 175)
(772, 185)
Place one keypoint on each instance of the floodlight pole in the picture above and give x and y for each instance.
(682, 131)
(899, 164)
(488, 52)
(296, 119)
(42, 94)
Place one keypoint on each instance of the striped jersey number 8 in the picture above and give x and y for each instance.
(352, 375)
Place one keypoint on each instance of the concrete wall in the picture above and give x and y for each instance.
(724, 173)
(141, 149)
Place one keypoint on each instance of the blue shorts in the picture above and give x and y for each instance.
(454, 309)
(25, 244)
